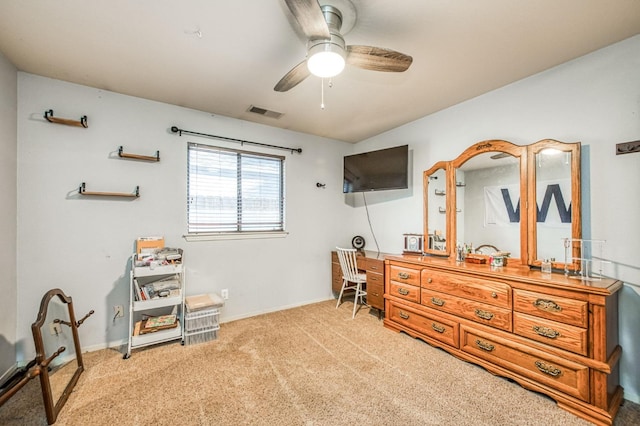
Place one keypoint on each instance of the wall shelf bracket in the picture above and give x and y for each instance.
(123, 154)
(83, 191)
(48, 115)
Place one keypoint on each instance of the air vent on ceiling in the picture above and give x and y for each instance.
(265, 112)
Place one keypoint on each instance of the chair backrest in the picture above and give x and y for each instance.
(348, 263)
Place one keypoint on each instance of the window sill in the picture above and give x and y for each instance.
(234, 236)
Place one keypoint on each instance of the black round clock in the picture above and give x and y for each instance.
(357, 242)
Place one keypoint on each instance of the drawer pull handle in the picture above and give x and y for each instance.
(403, 315)
(485, 346)
(403, 291)
(437, 302)
(484, 314)
(548, 369)
(494, 295)
(547, 305)
(430, 280)
(403, 275)
(546, 331)
(440, 329)
(376, 294)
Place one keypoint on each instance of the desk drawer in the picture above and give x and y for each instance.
(404, 275)
(442, 330)
(485, 314)
(404, 291)
(482, 290)
(375, 290)
(375, 265)
(553, 333)
(556, 308)
(566, 376)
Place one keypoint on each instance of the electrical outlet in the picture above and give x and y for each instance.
(119, 311)
(55, 328)
(225, 293)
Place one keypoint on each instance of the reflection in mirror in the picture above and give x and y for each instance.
(488, 202)
(556, 168)
(436, 213)
(54, 336)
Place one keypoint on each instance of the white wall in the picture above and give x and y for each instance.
(594, 99)
(83, 245)
(8, 187)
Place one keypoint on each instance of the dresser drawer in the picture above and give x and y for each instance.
(561, 309)
(375, 265)
(375, 291)
(485, 314)
(566, 376)
(404, 291)
(442, 330)
(553, 333)
(404, 275)
(485, 291)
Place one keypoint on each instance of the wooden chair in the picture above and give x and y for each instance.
(351, 278)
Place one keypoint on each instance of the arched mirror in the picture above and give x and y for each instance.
(55, 334)
(554, 176)
(490, 182)
(436, 211)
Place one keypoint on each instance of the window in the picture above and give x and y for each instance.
(231, 191)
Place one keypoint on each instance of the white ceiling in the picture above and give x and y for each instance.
(150, 49)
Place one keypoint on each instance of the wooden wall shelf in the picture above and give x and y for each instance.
(48, 115)
(123, 154)
(82, 191)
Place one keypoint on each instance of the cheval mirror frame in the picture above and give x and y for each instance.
(52, 408)
(530, 254)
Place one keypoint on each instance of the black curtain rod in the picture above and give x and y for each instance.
(174, 129)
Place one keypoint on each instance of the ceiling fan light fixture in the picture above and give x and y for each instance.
(326, 58)
(325, 64)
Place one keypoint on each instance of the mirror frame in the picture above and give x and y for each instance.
(528, 206)
(576, 198)
(52, 408)
(446, 166)
(497, 146)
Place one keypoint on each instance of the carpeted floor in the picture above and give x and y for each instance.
(311, 365)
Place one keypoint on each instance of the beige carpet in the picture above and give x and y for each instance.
(306, 366)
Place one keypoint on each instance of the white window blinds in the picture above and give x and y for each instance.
(234, 191)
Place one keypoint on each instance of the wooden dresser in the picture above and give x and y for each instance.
(552, 334)
(373, 264)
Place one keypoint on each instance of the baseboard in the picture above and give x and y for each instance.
(10, 372)
(633, 397)
(268, 311)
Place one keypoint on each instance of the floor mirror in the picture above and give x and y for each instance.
(58, 352)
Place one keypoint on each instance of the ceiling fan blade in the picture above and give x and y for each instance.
(310, 18)
(378, 59)
(293, 77)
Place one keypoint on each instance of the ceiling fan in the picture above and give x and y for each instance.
(327, 53)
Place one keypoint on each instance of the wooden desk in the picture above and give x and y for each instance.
(370, 262)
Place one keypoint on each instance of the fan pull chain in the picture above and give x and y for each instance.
(322, 90)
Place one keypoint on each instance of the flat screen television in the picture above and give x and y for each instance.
(376, 170)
